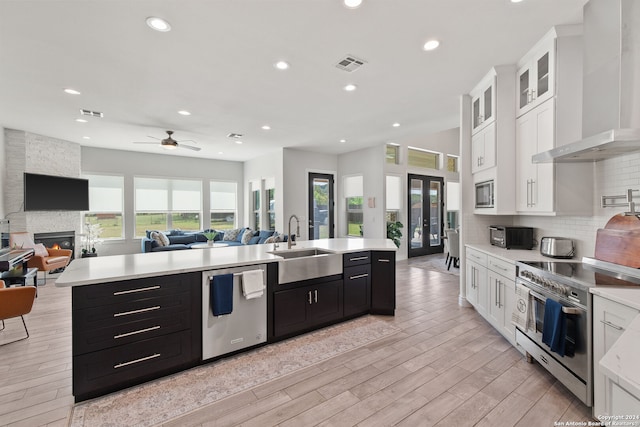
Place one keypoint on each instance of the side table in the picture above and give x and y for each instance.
(21, 279)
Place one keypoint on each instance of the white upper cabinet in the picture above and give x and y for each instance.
(549, 114)
(483, 103)
(536, 75)
(492, 149)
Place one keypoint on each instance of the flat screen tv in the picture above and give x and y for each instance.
(55, 193)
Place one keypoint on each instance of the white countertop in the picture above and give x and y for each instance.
(620, 363)
(512, 255)
(88, 271)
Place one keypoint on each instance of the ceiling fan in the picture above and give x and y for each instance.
(169, 143)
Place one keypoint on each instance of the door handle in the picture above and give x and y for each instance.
(315, 293)
(309, 295)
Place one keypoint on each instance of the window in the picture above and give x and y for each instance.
(392, 154)
(106, 205)
(223, 205)
(255, 197)
(423, 158)
(393, 198)
(166, 204)
(271, 207)
(452, 163)
(353, 190)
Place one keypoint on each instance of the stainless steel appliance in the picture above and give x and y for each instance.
(557, 247)
(484, 194)
(567, 283)
(509, 237)
(246, 326)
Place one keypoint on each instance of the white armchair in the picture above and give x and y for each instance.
(454, 248)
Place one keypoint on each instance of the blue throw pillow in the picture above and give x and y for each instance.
(254, 240)
(264, 235)
(240, 234)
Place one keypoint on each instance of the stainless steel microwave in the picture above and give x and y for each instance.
(484, 194)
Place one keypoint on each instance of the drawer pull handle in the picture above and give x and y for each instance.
(142, 310)
(141, 331)
(315, 295)
(359, 276)
(500, 267)
(360, 258)
(133, 291)
(131, 362)
(310, 300)
(613, 325)
(544, 360)
(383, 260)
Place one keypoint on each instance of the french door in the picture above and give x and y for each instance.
(426, 210)
(321, 205)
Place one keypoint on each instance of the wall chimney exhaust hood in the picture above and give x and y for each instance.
(611, 85)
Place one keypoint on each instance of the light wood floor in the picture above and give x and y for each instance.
(447, 367)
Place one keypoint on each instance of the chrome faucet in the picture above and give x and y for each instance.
(290, 241)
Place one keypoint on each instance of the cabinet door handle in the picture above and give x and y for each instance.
(131, 362)
(142, 310)
(383, 260)
(315, 294)
(533, 94)
(141, 331)
(529, 97)
(310, 301)
(533, 193)
(613, 325)
(359, 276)
(132, 291)
(360, 258)
(544, 360)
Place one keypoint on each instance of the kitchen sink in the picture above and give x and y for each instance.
(303, 264)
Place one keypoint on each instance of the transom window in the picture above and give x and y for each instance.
(425, 159)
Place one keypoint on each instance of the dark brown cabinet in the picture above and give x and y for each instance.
(383, 282)
(357, 290)
(305, 307)
(132, 331)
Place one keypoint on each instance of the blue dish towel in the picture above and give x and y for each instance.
(554, 327)
(221, 294)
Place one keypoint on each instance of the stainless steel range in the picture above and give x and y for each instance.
(567, 283)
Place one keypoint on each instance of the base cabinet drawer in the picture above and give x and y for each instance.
(356, 258)
(97, 373)
(357, 290)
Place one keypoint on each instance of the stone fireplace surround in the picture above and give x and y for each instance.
(29, 152)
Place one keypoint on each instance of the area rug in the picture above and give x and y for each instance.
(434, 263)
(170, 397)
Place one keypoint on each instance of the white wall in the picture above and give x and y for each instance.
(369, 163)
(130, 164)
(297, 165)
(269, 166)
(3, 172)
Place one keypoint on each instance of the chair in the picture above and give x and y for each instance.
(16, 302)
(454, 248)
(445, 241)
(44, 259)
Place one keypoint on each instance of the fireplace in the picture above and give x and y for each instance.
(58, 240)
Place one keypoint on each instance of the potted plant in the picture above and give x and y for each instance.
(210, 235)
(393, 231)
(91, 238)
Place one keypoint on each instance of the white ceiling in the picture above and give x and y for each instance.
(217, 63)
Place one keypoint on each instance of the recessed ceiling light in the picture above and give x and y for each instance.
(72, 91)
(352, 4)
(86, 137)
(81, 121)
(431, 45)
(158, 24)
(238, 142)
(342, 141)
(350, 87)
(516, 1)
(184, 113)
(266, 127)
(281, 65)
(220, 152)
(396, 124)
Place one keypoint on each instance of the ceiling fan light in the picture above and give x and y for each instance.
(169, 147)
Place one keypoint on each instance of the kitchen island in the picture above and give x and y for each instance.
(138, 317)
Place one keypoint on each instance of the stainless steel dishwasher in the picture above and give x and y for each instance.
(244, 327)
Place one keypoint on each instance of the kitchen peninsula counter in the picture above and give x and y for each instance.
(89, 271)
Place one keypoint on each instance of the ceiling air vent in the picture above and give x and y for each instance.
(91, 113)
(234, 135)
(350, 63)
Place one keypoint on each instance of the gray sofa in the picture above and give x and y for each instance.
(181, 240)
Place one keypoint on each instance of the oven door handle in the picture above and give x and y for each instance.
(565, 309)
